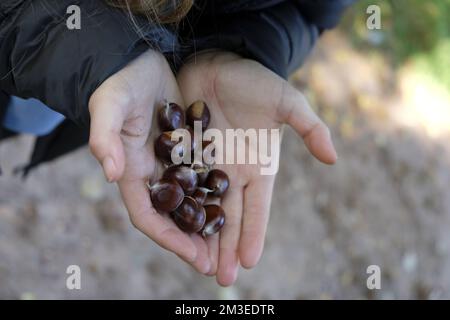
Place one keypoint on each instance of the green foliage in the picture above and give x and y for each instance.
(415, 31)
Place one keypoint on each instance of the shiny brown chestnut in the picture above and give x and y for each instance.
(185, 176)
(202, 172)
(200, 195)
(166, 195)
(198, 111)
(170, 117)
(218, 182)
(164, 146)
(189, 216)
(215, 219)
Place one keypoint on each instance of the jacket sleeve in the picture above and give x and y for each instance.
(280, 36)
(325, 14)
(40, 57)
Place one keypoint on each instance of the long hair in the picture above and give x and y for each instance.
(159, 11)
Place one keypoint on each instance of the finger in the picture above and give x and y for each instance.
(295, 110)
(213, 243)
(157, 227)
(257, 199)
(202, 262)
(229, 236)
(213, 250)
(104, 140)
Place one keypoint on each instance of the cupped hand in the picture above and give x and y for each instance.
(121, 139)
(242, 93)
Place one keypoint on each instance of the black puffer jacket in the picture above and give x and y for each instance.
(41, 58)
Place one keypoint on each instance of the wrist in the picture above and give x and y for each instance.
(210, 54)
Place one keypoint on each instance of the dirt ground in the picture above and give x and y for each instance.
(385, 203)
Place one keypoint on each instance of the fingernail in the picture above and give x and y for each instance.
(336, 156)
(207, 267)
(235, 274)
(333, 151)
(109, 168)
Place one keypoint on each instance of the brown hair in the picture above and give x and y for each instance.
(160, 11)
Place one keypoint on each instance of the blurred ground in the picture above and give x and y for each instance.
(385, 203)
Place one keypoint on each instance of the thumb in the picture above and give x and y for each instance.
(105, 143)
(295, 110)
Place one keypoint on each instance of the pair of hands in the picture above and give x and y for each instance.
(241, 93)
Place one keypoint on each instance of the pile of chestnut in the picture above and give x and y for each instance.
(183, 190)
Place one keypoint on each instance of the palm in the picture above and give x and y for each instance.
(243, 94)
(121, 129)
(141, 166)
(222, 80)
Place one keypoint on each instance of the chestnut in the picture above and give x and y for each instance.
(170, 117)
(200, 195)
(185, 176)
(189, 216)
(164, 146)
(217, 182)
(215, 219)
(198, 111)
(202, 172)
(166, 195)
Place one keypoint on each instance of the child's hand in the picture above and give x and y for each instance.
(121, 112)
(243, 94)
